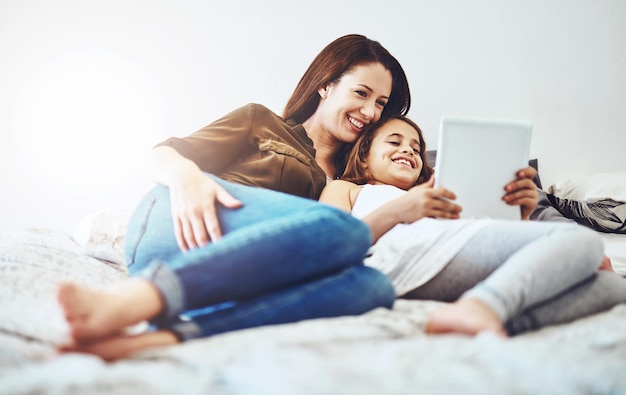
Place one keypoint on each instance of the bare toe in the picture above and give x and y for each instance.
(466, 316)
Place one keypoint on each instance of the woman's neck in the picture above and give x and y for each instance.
(326, 148)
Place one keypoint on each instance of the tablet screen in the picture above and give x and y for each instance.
(477, 157)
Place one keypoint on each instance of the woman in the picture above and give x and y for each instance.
(223, 244)
(503, 276)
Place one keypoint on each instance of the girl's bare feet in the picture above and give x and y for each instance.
(117, 347)
(95, 314)
(466, 316)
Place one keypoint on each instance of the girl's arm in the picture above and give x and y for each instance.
(419, 202)
(342, 194)
(523, 192)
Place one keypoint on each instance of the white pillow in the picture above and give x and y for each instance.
(597, 200)
(101, 235)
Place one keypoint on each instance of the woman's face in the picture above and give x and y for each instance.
(357, 99)
(394, 156)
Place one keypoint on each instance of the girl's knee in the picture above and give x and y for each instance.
(585, 241)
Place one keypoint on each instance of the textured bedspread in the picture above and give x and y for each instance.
(382, 352)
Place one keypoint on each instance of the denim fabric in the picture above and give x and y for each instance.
(282, 259)
(353, 291)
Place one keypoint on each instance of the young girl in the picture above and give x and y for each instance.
(503, 276)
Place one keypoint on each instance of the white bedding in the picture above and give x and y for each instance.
(382, 352)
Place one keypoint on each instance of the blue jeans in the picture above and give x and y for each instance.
(282, 259)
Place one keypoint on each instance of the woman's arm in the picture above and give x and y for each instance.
(192, 195)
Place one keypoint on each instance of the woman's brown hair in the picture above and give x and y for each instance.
(337, 58)
(355, 167)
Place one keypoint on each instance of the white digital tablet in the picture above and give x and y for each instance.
(477, 157)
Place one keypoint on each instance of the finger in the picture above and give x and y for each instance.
(442, 193)
(180, 237)
(444, 209)
(200, 235)
(226, 199)
(188, 235)
(513, 198)
(527, 172)
(212, 225)
(447, 214)
(519, 185)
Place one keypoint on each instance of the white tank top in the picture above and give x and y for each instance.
(412, 254)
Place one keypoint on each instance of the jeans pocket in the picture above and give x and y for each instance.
(137, 227)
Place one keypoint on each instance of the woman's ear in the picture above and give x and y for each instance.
(323, 92)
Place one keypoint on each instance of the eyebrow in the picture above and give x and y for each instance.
(371, 90)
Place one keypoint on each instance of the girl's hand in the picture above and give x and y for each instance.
(523, 192)
(193, 200)
(426, 201)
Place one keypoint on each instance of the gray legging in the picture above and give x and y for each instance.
(531, 274)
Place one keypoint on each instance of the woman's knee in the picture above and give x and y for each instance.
(376, 289)
(150, 232)
(352, 232)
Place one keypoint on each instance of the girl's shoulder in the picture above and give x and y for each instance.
(340, 187)
(340, 193)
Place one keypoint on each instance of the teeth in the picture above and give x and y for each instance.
(356, 123)
(404, 162)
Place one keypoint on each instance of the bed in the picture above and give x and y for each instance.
(381, 352)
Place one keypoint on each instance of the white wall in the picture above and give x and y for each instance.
(88, 86)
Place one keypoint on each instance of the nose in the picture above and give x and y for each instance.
(369, 110)
(406, 148)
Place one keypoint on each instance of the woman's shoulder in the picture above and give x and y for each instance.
(252, 111)
(259, 110)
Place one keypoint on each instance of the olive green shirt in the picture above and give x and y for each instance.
(254, 146)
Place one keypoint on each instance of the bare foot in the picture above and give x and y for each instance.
(606, 264)
(113, 348)
(95, 314)
(466, 316)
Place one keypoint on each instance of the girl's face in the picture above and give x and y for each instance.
(394, 156)
(357, 99)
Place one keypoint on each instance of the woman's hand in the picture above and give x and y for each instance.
(193, 201)
(193, 196)
(426, 201)
(523, 192)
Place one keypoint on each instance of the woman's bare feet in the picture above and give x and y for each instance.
(95, 314)
(117, 347)
(466, 316)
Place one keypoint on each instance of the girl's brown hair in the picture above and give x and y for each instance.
(338, 58)
(355, 167)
